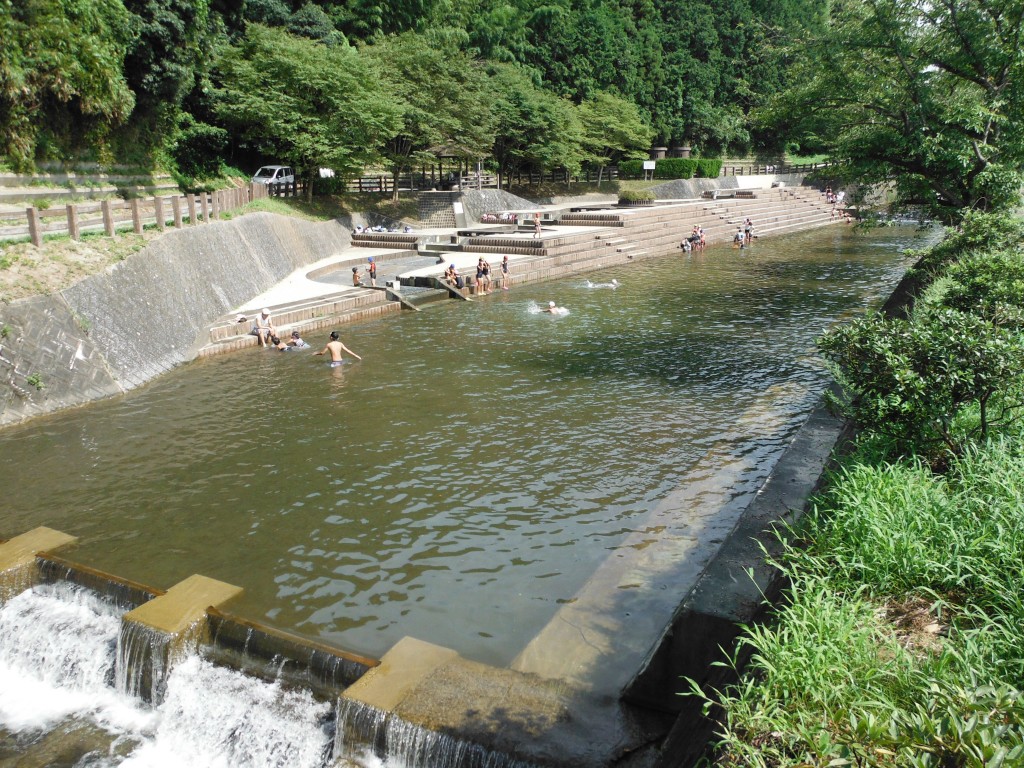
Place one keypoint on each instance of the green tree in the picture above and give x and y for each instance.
(308, 104)
(912, 380)
(170, 54)
(927, 96)
(311, 21)
(445, 102)
(614, 129)
(536, 130)
(61, 75)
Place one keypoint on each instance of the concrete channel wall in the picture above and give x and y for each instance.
(117, 330)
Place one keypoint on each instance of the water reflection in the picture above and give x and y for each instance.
(471, 471)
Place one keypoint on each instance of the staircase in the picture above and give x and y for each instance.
(603, 238)
(305, 316)
(435, 209)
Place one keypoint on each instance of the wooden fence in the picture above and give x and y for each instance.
(112, 216)
(611, 173)
(760, 170)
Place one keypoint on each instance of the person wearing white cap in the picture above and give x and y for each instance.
(554, 309)
(263, 327)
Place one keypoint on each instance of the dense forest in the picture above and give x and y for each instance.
(538, 83)
(924, 95)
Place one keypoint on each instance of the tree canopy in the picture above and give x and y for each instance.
(924, 95)
(442, 97)
(310, 105)
(62, 74)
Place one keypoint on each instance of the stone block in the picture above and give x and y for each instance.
(18, 558)
(183, 605)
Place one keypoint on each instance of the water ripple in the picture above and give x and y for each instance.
(469, 474)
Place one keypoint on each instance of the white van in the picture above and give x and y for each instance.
(274, 174)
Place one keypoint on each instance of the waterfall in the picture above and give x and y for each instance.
(142, 661)
(274, 655)
(59, 669)
(406, 745)
(57, 660)
(216, 717)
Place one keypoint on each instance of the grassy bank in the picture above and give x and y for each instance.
(901, 642)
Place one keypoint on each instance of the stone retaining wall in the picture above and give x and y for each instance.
(117, 330)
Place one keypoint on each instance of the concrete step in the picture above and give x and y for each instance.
(300, 314)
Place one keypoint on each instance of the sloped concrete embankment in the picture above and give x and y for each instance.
(117, 330)
(684, 189)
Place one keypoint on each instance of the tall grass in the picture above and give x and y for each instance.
(902, 641)
(834, 680)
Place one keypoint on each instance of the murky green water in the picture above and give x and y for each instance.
(473, 469)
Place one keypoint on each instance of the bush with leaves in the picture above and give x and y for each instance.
(912, 380)
(197, 147)
(977, 233)
(709, 167)
(636, 196)
(989, 285)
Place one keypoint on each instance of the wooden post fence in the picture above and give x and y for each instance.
(34, 231)
(72, 211)
(108, 218)
(133, 204)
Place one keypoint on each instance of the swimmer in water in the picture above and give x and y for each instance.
(335, 347)
(554, 309)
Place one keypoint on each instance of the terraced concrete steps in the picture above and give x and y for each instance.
(305, 316)
(435, 208)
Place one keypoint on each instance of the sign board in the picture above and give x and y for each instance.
(648, 165)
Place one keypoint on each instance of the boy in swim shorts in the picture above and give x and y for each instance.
(335, 347)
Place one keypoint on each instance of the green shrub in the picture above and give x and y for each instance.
(197, 148)
(911, 380)
(636, 196)
(989, 285)
(978, 232)
(675, 168)
(709, 167)
(631, 169)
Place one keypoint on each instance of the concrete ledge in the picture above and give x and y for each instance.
(400, 670)
(183, 605)
(18, 569)
(464, 707)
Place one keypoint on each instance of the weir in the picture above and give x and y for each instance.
(18, 564)
(141, 670)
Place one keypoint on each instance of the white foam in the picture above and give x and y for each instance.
(214, 717)
(57, 658)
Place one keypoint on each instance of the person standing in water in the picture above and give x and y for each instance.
(335, 348)
(505, 272)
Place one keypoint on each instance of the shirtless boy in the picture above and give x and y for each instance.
(335, 348)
